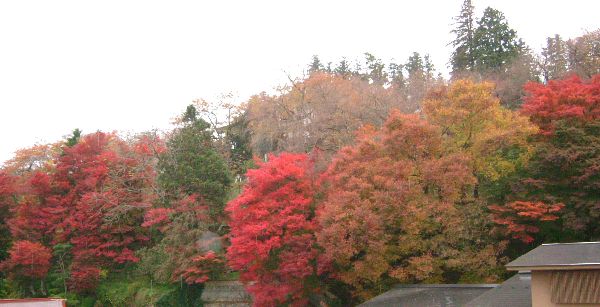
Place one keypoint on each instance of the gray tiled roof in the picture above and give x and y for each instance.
(514, 292)
(441, 295)
(560, 254)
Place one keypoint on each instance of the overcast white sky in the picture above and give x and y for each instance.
(134, 65)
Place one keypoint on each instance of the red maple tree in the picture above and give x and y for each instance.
(272, 231)
(93, 197)
(567, 99)
(104, 195)
(39, 211)
(27, 259)
(7, 187)
(520, 219)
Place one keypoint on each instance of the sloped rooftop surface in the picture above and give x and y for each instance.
(33, 302)
(514, 292)
(560, 254)
(429, 295)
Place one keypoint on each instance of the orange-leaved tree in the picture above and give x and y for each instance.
(397, 209)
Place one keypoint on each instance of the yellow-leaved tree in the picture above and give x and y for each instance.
(474, 123)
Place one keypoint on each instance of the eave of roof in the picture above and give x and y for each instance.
(555, 267)
(28, 300)
(434, 286)
(559, 256)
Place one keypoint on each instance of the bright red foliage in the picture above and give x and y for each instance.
(202, 266)
(157, 216)
(94, 198)
(570, 98)
(39, 211)
(7, 186)
(104, 197)
(84, 278)
(272, 231)
(520, 219)
(27, 259)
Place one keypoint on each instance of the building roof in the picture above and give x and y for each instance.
(559, 256)
(442, 295)
(33, 302)
(514, 292)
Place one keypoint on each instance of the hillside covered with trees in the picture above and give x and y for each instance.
(356, 176)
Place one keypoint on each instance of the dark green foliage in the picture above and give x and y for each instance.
(495, 42)
(420, 80)
(192, 165)
(414, 65)
(375, 69)
(566, 169)
(396, 75)
(86, 301)
(74, 138)
(195, 181)
(124, 290)
(59, 273)
(343, 68)
(463, 57)
(240, 152)
(183, 295)
(5, 237)
(315, 65)
(554, 60)
(190, 115)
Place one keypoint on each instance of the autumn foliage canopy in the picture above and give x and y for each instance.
(273, 231)
(444, 195)
(28, 259)
(395, 209)
(570, 99)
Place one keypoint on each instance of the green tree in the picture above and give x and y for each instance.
(396, 76)
(420, 80)
(192, 165)
(565, 167)
(584, 54)
(375, 69)
(463, 54)
(74, 138)
(315, 65)
(343, 68)
(496, 43)
(238, 139)
(554, 58)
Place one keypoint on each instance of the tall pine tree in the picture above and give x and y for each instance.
(192, 165)
(463, 54)
(496, 43)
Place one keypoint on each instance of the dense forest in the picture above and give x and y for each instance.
(356, 176)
